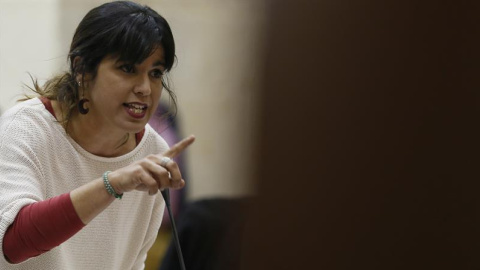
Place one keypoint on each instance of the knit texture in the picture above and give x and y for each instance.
(38, 160)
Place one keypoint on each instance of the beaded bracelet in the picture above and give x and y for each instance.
(109, 187)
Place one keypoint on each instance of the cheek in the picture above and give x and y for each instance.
(158, 89)
(156, 99)
(160, 93)
(107, 89)
(157, 93)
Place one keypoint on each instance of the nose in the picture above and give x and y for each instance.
(142, 86)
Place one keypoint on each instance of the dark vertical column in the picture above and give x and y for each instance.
(368, 142)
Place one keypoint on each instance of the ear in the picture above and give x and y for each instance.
(78, 73)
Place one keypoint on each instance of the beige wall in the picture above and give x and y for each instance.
(216, 78)
(28, 43)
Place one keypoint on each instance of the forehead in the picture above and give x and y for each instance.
(156, 57)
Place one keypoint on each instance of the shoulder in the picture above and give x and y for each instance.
(31, 111)
(28, 120)
(152, 140)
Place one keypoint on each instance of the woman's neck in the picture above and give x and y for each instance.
(94, 138)
(100, 143)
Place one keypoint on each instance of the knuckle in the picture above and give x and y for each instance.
(174, 165)
(164, 173)
(138, 171)
(150, 157)
(178, 177)
(143, 162)
(151, 185)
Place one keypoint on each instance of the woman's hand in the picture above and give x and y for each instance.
(151, 173)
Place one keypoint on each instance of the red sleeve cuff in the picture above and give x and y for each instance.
(41, 226)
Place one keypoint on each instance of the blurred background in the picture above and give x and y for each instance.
(351, 123)
(216, 80)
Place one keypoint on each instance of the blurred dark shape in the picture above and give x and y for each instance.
(368, 137)
(210, 233)
(167, 126)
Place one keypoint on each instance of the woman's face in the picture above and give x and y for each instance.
(123, 96)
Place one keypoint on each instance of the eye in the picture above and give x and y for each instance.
(128, 68)
(157, 73)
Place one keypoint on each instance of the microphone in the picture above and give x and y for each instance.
(166, 197)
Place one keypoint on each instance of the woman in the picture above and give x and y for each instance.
(66, 156)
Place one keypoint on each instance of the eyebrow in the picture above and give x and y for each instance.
(155, 64)
(159, 63)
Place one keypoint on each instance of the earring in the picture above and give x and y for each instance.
(82, 101)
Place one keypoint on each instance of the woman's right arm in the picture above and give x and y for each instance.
(23, 239)
(39, 227)
(147, 174)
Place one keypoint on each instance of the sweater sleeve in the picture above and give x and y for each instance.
(21, 175)
(39, 227)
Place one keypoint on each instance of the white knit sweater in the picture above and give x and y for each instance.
(39, 161)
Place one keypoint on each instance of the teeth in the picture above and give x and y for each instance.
(136, 106)
(135, 110)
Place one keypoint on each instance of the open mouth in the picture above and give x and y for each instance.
(136, 109)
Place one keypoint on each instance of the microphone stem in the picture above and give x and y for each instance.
(166, 197)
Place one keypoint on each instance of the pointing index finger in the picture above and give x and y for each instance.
(179, 147)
